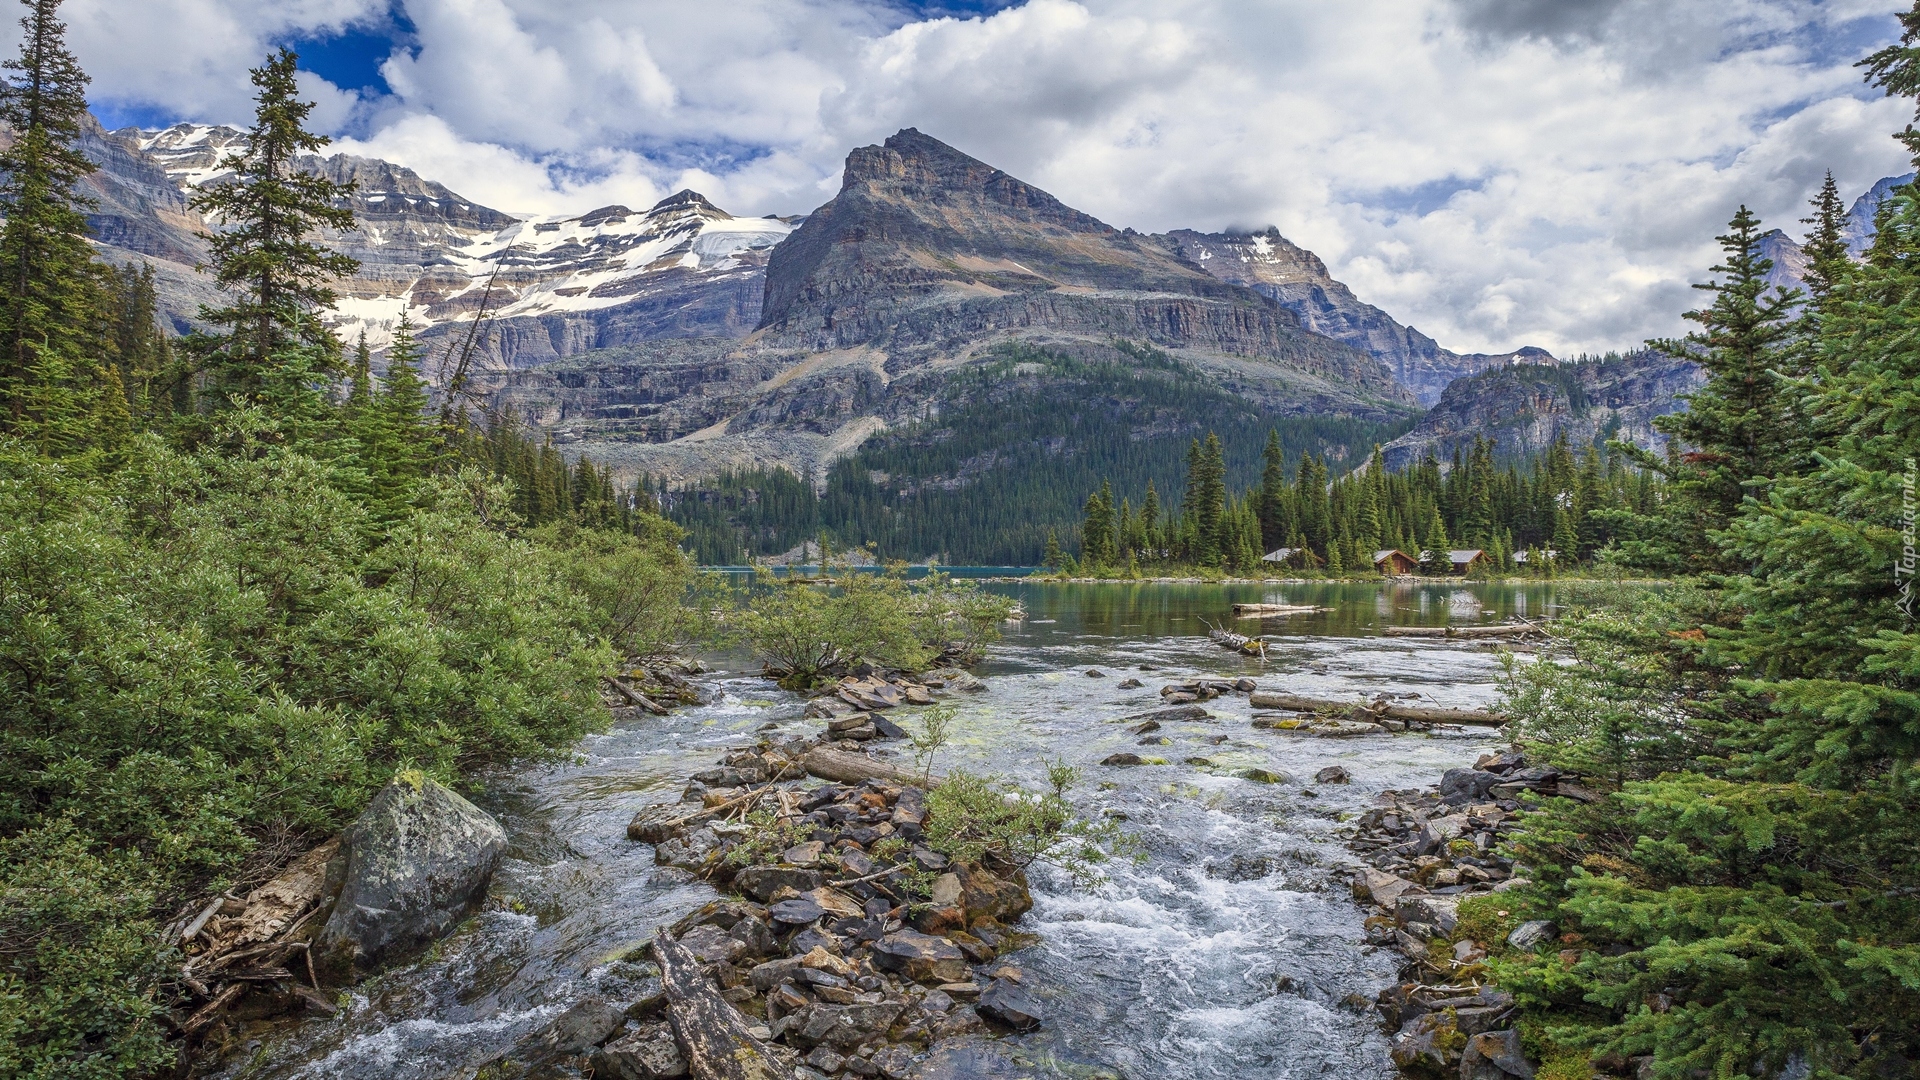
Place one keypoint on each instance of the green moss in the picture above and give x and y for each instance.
(1486, 919)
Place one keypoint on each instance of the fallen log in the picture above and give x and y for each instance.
(712, 1033)
(1240, 643)
(843, 767)
(1251, 611)
(1459, 631)
(1380, 710)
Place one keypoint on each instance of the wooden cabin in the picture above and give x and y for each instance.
(1393, 562)
(1464, 561)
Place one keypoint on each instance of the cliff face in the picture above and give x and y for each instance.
(1525, 407)
(1297, 279)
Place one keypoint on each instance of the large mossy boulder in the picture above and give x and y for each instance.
(415, 863)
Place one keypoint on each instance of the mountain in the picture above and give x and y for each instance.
(1273, 266)
(1525, 407)
(1790, 262)
(553, 287)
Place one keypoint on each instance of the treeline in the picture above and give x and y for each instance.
(1008, 457)
(1557, 509)
(1743, 897)
(242, 582)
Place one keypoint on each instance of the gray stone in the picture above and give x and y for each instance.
(826, 1059)
(1466, 785)
(414, 864)
(647, 1054)
(585, 1025)
(761, 882)
(774, 972)
(1529, 936)
(920, 957)
(1122, 759)
(1332, 774)
(796, 912)
(894, 1062)
(1440, 913)
(841, 1025)
(1006, 1002)
(1495, 1055)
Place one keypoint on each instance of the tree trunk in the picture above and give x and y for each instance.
(843, 767)
(1268, 699)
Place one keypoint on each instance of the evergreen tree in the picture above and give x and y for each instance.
(1150, 522)
(1435, 545)
(1052, 560)
(1735, 429)
(1825, 244)
(1273, 493)
(50, 296)
(265, 253)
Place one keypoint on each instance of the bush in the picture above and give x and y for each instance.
(806, 633)
(973, 817)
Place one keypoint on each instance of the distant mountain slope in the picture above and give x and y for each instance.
(1523, 408)
(1273, 266)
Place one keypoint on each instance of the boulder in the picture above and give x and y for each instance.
(1440, 913)
(1118, 760)
(1005, 1002)
(920, 957)
(1495, 1055)
(1467, 785)
(410, 868)
(1426, 1044)
(1263, 776)
(840, 1025)
(647, 1054)
(1381, 887)
(1529, 936)
(761, 882)
(988, 896)
(1332, 774)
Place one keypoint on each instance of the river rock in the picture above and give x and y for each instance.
(1332, 774)
(1122, 760)
(972, 1057)
(1466, 785)
(1529, 936)
(920, 957)
(761, 882)
(988, 896)
(1495, 1055)
(415, 863)
(796, 912)
(1437, 912)
(1263, 776)
(1426, 1044)
(1381, 887)
(840, 1025)
(647, 1054)
(887, 729)
(1007, 1003)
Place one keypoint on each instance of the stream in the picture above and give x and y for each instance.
(1231, 949)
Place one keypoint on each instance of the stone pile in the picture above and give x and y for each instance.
(849, 947)
(1428, 851)
(653, 688)
(855, 701)
(1192, 690)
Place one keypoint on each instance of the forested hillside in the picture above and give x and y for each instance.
(242, 583)
(1010, 459)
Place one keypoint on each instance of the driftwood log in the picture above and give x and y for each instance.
(1459, 631)
(1380, 710)
(844, 767)
(634, 697)
(1252, 611)
(712, 1033)
(1240, 643)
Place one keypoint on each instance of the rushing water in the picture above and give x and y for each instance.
(1227, 952)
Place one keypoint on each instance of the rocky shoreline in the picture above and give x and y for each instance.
(1432, 883)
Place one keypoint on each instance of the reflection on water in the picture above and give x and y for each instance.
(1227, 952)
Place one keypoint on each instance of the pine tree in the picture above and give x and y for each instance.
(1052, 560)
(1150, 522)
(264, 254)
(50, 296)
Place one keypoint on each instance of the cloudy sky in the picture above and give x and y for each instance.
(1495, 172)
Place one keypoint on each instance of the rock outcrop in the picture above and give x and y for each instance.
(409, 869)
(1525, 407)
(1274, 266)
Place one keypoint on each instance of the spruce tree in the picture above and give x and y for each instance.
(1825, 245)
(1273, 493)
(1735, 430)
(50, 298)
(262, 251)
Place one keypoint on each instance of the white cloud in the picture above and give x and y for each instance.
(1496, 172)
